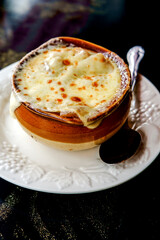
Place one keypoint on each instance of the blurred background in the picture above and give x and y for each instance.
(114, 24)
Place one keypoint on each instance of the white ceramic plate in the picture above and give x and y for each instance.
(29, 164)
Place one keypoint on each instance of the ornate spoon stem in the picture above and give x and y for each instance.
(134, 56)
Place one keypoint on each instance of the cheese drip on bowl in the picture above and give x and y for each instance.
(68, 79)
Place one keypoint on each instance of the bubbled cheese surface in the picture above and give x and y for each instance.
(68, 80)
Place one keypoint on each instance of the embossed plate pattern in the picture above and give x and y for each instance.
(29, 164)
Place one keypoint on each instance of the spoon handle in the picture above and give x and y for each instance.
(134, 56)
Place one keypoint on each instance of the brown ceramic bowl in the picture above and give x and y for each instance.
(67, 131)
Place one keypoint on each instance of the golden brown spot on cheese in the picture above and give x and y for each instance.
(52, 88)
(72, 84)
(91, 95)
(88, 78)
(76, 63)
(82, 88)
(103, 101)
(25, 88)
(64, 95)
(45, 52)
(56, 50)
(66, 62)
(62, 89)
(102, 59)
(59, 83)
(49, 81)
(19, 80)
(18, 90)
(47, 100)
(38, 99)
(53, 71)
(59, 100)
(75, 99)
(95, 84)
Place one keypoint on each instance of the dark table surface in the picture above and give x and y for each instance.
(128, 211)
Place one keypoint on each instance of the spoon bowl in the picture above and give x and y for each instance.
(126, 142)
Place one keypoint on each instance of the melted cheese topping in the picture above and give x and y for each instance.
(68, 80)
(14, 104)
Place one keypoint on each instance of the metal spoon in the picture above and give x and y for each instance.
(134, 56)
(127, 140)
